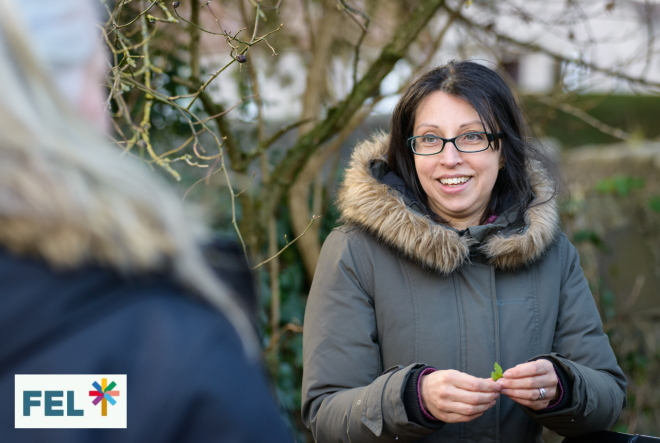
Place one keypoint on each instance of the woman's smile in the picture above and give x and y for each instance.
(454, 184)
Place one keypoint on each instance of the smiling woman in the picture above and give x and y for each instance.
(451, 259)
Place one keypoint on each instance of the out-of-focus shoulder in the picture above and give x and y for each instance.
(345, 229)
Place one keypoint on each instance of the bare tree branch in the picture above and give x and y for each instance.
(582, 115)
(136, 18)
(537, 48)
(213, 117)
(276, 337)
(289, 243)
(195, 36)
(287, 170)
(272, 139)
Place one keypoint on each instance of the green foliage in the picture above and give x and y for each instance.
(654, 204)
(620, 427)
(497, 374)
(569, 206)
(620, 185)
(589, 236)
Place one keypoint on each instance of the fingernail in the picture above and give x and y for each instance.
(492, 403)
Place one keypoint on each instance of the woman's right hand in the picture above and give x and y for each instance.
(454, 397)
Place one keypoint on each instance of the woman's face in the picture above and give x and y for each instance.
(462, 204)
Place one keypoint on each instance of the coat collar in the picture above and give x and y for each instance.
(375, 202)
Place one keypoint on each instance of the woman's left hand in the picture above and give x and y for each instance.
(521, 383)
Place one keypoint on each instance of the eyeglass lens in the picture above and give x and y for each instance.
(467, 143)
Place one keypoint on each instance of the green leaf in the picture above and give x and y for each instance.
(497, 374)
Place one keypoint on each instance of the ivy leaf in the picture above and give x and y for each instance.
(497, 374)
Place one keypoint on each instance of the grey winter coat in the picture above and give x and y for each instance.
(394, 290)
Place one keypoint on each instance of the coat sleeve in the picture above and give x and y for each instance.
(346, 394)
(582, 349)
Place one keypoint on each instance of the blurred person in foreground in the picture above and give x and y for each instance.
(100, 270)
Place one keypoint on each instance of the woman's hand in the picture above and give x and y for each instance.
(453, 396)
(521, 383)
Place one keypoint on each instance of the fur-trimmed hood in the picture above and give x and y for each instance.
(391, 216)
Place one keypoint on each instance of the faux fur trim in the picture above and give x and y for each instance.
(57, 213)
(542, 220)
(69, 246)
(376, 208)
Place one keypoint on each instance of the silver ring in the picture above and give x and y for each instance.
(542, 392)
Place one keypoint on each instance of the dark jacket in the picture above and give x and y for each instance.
(394, 291)
(189, 379)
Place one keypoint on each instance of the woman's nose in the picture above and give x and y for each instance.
(450, 156)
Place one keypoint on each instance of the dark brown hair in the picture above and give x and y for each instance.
(498, 110)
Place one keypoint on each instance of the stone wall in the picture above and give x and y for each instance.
(611, 212)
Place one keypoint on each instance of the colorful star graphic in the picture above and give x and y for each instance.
(104, 394)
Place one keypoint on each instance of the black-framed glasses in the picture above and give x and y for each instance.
(468, 142)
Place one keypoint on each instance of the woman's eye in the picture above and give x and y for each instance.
(429, 139)
(473, 137)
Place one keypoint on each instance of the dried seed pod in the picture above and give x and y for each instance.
(176, 4)
(241, 58)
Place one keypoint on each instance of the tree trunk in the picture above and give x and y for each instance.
(309, 245)
(301, 189)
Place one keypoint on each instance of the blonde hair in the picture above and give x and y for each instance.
(67, 196)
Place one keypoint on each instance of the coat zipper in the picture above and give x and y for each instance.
(496, 321)
(463, 335)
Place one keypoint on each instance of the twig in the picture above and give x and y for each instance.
(279, 134)
(224, 34)
(350, 11)
(636, 290)
(271, 48)
(256, 21)
(277, 336)
(270, 8)
(183, 145)
(356, 57)
(248, 186)
(198, 182)
(289, 243)
(226, 110)
(136, 18)
(208, 6)
(217, 73)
